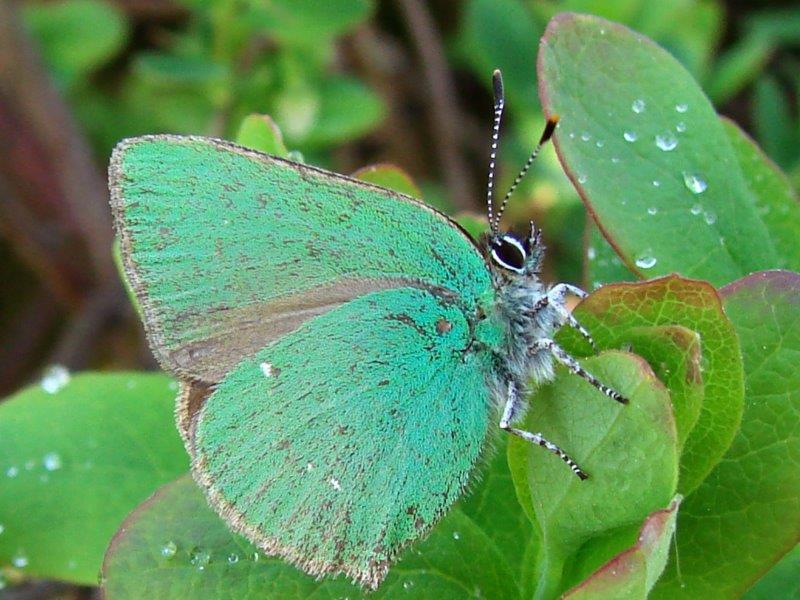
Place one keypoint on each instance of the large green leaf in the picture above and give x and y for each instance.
(632, 573)
(746, 514)
(175, 546)
(649, 155)
(76, 456)
(630, 453)
(782, 581)
(618, 315)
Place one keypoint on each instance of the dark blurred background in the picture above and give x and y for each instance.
(349, 82)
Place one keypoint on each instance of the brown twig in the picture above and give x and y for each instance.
(444, 111)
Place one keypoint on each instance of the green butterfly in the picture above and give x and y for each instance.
(343, 350)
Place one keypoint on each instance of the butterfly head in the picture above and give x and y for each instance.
(507, 251)
(514, 254)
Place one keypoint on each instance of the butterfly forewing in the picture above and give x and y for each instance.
(343, 441)
(229, 249)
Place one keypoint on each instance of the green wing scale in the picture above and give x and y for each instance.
(364, 424)
(320, 328)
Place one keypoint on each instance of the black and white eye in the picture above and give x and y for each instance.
(508, 252)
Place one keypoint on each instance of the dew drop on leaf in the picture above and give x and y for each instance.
(407, 585)
(19, 560)
(55, 378)
(652, 210)
(599, 143)
(696, 209)
(169, 549)
(582, 178)
(52, 461)
(630, 136)
(591, 253)
(200, 558)
(646, 261)
(656, 183)
(695, 182)
(12, 472)
(2, 528)
(666, 141)
(681, 108)
(638, 106)
(585, 136)
(456, 535)
(233, 558)
(710, 217)
(680, 127)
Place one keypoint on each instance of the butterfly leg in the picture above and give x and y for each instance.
(555, 297)
(573, 365)
(512, 409)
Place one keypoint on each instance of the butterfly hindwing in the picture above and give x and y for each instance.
(342, 442)
(229, 249)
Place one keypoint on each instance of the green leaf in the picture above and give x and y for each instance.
(347, 110)
(631, 115)
(619, 315)
(76, 456)
(632, 573)
(500, 34)
(629, 452)
(780, 582)
(76, 36)
(738, 66)
(746, 514)
(390, 177)
(260, 132)
(776, 200)
(308, 22)
(456, 560)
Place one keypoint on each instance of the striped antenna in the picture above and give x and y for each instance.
(499, 102)
(549, 128)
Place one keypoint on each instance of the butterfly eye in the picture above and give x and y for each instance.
(509, 253)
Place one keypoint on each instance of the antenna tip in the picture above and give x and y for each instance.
(497, 84)
(549, 128)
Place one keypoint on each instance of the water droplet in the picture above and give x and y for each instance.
(656, 183)
(256, 556)
(681, 108)
(614, 159)
(572, 135)
(646, 260)
(652, 210)
(680, 127)
(19, 560)
(696, 209)
(233, 558)
(591, 253)
(638, 106)
(582, 178)
(52, 461)
(200, 558)
(585, 136)
(456, 535)
(695, 182)
(666, 141)
(630, 136)
(710, 217)
(169, 549)
(12, 472)
(407, 585)
(2, 528)
(55, 378)
(599, 143)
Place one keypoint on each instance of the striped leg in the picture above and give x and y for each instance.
(512, 408)
(556, 296)
(573, 365)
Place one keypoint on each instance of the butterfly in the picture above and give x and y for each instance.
(343, 350)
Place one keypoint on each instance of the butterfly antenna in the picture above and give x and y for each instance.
(549, 128)
(499, 103)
